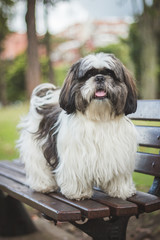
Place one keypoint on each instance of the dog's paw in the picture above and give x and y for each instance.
(123, 192)
(81, 197)
(43, 187)
(77, 196)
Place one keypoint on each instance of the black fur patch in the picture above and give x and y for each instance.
(47, 131)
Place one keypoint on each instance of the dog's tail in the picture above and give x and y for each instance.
(43, 98)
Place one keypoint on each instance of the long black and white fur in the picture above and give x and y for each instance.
(79, 137)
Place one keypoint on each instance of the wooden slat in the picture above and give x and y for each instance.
(89, 208)
(118, 207)
(148, 164)
(148, 136)
(147, 110)
(51, 207)
(146, 202)
(13, 165)
(11, 174)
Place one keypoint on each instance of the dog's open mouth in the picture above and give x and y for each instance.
(100, 94)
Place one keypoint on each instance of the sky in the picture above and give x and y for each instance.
(67, 13)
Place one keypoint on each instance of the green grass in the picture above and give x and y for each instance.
(143, 182)
(9, 118)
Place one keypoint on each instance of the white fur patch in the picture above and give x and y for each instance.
(97, 61)
(95, 153)
(51, 97)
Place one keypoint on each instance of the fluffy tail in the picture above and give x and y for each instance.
(44, 96)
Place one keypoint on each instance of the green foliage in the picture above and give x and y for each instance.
(135, 45)
(4, 14)
(15, 75)
(52, 2)
(144, 46)
(59, 72)
(120, 50)
(16, 79)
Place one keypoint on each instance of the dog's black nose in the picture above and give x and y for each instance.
(100, 78)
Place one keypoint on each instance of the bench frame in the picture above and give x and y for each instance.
(102, 217)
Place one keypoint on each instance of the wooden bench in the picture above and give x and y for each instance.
(105, 217)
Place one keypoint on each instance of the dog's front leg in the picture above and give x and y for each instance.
(72, 184)
(121, 186)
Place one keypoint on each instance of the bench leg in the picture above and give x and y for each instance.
(14, 220)
(155, 188)
(99, 229)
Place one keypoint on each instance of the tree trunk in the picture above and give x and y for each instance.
(48, 47)
(33, 66)
(50, 66)
(149, 64)
(149, 32)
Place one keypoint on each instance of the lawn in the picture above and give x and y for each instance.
(9, 118)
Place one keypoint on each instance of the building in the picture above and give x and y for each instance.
(14, 45)
(88, 36)
(78, 38)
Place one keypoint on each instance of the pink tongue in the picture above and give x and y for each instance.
(100, 93)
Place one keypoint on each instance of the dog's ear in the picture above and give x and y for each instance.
(67, 95)
(131, 101)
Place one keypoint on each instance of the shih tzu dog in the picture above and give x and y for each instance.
(79, 137)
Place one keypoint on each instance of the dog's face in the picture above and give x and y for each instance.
(99, 80)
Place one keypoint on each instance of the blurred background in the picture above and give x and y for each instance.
(41, 39)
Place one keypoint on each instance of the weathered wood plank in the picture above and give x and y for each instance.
(10, 173)
(44, 203)
(146, 202)
(147, 110)
(148, 164)
(148, 136)
(13, 165)
(118, 207)
(89, 208)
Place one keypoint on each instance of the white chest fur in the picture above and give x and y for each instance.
(92, 151)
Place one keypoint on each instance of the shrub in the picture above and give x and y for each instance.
(120, 50)
(16, 79)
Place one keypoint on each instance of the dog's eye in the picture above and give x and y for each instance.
(91, 73)
(107, 72)
(88, 75)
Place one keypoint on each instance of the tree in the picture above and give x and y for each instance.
(5, 6)
(47, 42)
(145, 50)
(33, 66)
